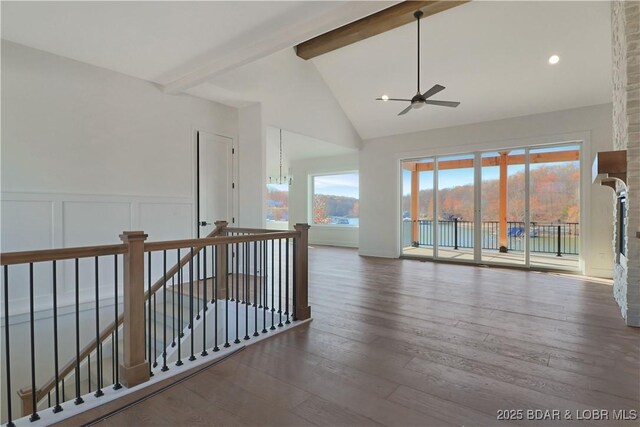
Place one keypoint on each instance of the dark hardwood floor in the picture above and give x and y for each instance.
(410, 343)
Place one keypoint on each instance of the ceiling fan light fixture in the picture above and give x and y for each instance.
(420, 99)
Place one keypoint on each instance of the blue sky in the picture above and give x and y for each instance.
(337, 185)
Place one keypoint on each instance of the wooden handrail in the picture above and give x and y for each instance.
(251, 230)
(216, 237)
(24, 257)
(198, 244)
(25, 393)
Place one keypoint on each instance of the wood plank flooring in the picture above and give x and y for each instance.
(410, 343)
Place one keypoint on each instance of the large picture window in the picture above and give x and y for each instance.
(335, 199)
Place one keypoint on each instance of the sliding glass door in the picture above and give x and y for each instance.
(554, 206)
(418, 202)
(528, 207)
(455, 207)
(503, 207)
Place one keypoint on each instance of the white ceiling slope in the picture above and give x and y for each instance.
(175, 43)
(293, 95)
(491, 56)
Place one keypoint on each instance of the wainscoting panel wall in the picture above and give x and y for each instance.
(32, 221)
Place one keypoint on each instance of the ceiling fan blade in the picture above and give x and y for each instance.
(393, 99)
(435, 89)
(406, 110)
(442, 103)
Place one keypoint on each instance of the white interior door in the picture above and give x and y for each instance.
(215, 181)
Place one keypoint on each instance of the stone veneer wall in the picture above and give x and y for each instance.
(625, 26)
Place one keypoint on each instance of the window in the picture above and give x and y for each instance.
(335, 199)
(278, 206)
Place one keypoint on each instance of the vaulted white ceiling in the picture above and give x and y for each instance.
(166, 42)
(491, 56)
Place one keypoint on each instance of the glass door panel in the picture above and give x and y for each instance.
(417, 207)
(455, 207)
(503, 229)
(554, 205)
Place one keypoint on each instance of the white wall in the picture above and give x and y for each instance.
(88, 153)
(380, 173)
(294, 96)
(299, 197)
(252, 190)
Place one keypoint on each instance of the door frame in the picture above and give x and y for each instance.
(196, 179)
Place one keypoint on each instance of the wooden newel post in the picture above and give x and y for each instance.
(222, 261)
(26, 397)
(302, 311)
(134, 368)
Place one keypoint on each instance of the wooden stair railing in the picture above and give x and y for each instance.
(25, 393)
(134, 368)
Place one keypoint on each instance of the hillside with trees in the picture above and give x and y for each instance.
(554, 196)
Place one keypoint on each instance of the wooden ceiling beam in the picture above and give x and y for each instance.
(380, 22)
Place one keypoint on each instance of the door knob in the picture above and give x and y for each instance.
(204, 223)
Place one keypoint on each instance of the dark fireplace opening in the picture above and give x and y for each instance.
(622, 217)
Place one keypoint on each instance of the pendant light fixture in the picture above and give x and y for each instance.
(281, 179)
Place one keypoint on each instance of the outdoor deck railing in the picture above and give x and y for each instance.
(559, 239)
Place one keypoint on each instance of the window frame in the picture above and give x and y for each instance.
(311, 193)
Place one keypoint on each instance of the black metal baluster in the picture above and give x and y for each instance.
(264, 287)
(79, 399)
(149, 312)
(57, 408)
(255, 287)
(237, 254)
(242, 292)
(295, 278)
(259, 295)
(179, 362)
(155, 332)
(113, 358)
(49, 399)
(100, 370)
(192, 357)
(280, 282)
(173, 310)
(232, 290)
(273, 289)
(216, 267)
(164, 312)
(286, 286)
(98, 355)
(34, 415)
(116, 352)
(226, 299)
(204, 303)
(198, 286)
(64, 399)
(247, 299)
(89, 370)
(7, 362)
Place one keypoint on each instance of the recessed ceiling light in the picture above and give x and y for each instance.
(385, 97)
(554, 59)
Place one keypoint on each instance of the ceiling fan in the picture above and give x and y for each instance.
(420, 100)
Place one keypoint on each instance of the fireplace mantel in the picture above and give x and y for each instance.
(610, 167)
